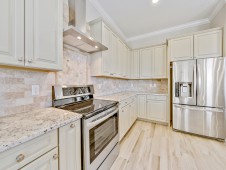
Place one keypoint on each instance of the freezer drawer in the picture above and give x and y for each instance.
(209, 122)
(184, 82)
(211, 79)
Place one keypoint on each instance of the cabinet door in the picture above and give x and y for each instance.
(49, 161)
(106, 55)
(135, 64)
(12, 32)
(128, 61)
(120, 57)
(156, 110)
(123, 121)
(146, 63)
(208, 44)
(181, 48)
(114, 55)
(142, 106)
(43, 34)
(70, 146)
(159, 62)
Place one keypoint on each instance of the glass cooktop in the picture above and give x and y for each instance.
(90, 107)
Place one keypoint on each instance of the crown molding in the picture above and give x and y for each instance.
(108, 19)
(171, 29)
(217, 9)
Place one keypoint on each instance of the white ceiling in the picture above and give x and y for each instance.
(136, 19)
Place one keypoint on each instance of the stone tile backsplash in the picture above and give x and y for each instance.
(16, 84)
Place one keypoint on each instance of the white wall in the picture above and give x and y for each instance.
(91, 12)
(220, 21)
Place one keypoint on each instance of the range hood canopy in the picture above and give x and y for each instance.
(75, 34)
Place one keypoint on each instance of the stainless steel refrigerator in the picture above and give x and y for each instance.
(199, 97)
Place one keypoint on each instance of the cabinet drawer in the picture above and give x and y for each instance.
(155, 97)
(25, 153)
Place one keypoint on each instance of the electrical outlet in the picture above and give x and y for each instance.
(35, 90)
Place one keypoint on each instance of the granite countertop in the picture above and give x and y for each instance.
(125, 95)
(19, 128)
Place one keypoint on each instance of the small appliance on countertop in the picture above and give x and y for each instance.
(99, 124)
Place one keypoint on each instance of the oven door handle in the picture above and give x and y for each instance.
(98, 121)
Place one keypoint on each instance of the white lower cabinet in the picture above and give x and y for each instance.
(70, 146)
(41, 153)
(142, 106)
(156, 110)
(127, 115)
(49, 161)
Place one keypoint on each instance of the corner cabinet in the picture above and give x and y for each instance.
(31, 33)
(146, 59)
(112, 62)
(70, 146)
(142, 106)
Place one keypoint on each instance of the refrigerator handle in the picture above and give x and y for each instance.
(199, 108)
(194, 81)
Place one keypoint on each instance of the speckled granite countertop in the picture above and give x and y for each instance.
(19, 128)
(125, 95)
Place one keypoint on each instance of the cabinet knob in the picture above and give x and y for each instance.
(20, 59)
(20, 158)
(30, 61)
(55, 156)
(72, 125)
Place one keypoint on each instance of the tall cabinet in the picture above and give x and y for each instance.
(31, 33)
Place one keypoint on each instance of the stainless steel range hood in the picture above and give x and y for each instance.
(75, 34)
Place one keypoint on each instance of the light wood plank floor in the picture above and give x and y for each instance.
(149, 146)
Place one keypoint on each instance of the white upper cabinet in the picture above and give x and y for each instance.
(159, 62)
(113, 62)
(146, 57)
(43, 34)
(12, 32)
(181, 48)
(31, 33)
(208, 44)
(135, 64)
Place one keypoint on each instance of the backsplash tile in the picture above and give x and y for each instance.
(15, 85)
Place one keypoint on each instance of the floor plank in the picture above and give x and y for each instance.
(149, 146)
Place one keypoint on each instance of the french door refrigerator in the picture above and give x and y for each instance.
(199, 97)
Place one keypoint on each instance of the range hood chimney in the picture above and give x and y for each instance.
(75, 34)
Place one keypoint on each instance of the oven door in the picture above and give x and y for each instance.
(100, 135)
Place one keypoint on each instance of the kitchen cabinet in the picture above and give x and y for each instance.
(127, 115)
(208, 44)
(70, 146)
(156, 108)
(181, 48)
(25, 153)
(159, 62)
(12, 32)
(142, 106)
(31, 33)
(114, 61)
(48, 161)
(135, 64)
(146, 59)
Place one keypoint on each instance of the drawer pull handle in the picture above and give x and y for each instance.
(20, 59)
(55, 156)
(72, 126)
(20, 158)
(30, 61)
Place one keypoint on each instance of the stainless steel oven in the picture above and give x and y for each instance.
(100, 136)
